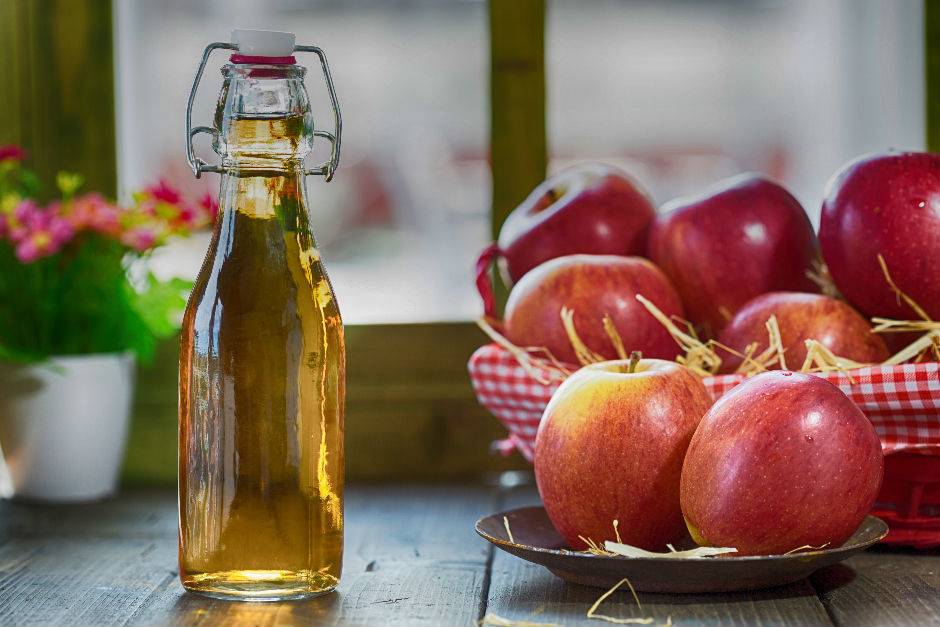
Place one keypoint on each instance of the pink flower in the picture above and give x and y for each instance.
(61, 231)
(34, 246)
(139, 238)
(25, 218)
(210, 206)
(209, 203)
(26, 211)
(92, 211)
(106, 219)
(163, 192)
(44, 233)
(12, 152)
(187, 216)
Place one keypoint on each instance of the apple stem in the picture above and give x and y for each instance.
(635, 358)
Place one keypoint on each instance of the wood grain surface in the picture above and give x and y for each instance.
(412, 558)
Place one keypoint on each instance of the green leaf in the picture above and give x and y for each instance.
(68, 183)
(161, 303)
(20, 357)
(29, 184)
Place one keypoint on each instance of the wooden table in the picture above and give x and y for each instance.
(412, 558)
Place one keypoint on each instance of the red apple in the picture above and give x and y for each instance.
(801, 317)
(782, 461)
(592, 286)
(590, 208)
(886, 203)
(610, 447)
(742, 238)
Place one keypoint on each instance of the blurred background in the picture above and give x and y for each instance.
(679, 92)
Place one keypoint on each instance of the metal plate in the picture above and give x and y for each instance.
(537, 541)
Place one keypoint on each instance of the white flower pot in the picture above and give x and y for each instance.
(63, 426)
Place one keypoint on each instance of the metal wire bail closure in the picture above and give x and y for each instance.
(326, 169)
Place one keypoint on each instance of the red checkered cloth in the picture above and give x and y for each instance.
(903, 402)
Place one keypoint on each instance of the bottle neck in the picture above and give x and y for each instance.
(276, 144)
(264, 167)
(275, 194)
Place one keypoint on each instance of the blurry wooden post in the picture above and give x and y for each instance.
(932, 72)
(57, 95)
(518, 150)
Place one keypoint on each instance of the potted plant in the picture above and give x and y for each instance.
(77, 309)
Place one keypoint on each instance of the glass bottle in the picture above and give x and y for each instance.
(262, 360)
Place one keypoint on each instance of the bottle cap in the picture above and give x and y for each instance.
(263, 46)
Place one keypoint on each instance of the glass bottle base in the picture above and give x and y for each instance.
(260, 585)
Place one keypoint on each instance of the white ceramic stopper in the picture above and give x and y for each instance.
(263, 43)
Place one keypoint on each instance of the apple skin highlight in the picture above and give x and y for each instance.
(785, 460)
(886, 204)
(743, 237)
(592, 286)
(589, 208)
(610, 447)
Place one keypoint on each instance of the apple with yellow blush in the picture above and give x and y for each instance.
(610, 446)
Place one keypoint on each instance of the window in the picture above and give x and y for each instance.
(679, 93)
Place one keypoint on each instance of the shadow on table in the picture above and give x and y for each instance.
(832, 577)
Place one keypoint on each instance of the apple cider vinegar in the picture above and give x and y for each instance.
(262, 364)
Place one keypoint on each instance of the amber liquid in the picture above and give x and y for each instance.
(262, 371)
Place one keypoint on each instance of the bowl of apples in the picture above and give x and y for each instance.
(727, 295)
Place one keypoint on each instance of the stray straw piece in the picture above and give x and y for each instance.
(581, 350)
(821, 276)
(699, 356)
(773, 332)
(508, 530)
(614, 336)
(592, 612)
(525, 360)
(625, 550)
(820, 359)
(910, 302)
(768, 359)
(887, 325)
(594, 548)
(806, 547)
(919, 349)
(916, 350)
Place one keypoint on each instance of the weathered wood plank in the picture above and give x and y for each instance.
(85, 564)
(429, 594)
(75, 580)
(523, 591)
(145, 514)
(883, 586)
(411, 558)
